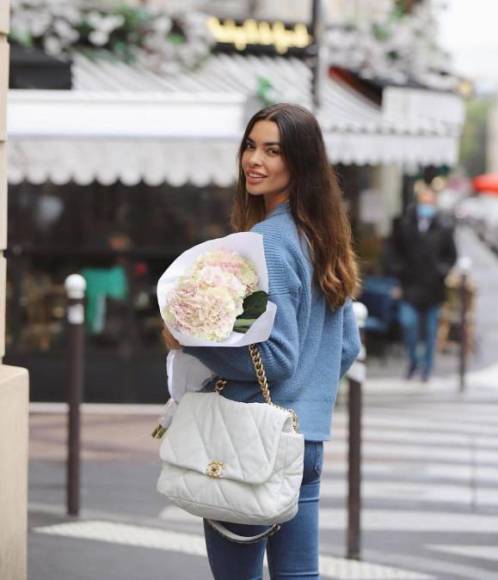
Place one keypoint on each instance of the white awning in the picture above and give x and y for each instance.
(121, 123)
(407, 150)
(130, 161)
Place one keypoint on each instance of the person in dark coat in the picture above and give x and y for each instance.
(422, 252)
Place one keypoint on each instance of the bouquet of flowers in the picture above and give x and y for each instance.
(216, 297)
(215, 294)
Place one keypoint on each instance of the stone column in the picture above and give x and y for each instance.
(14, 388)
(388, 181)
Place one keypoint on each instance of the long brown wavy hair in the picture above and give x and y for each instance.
(315, 200)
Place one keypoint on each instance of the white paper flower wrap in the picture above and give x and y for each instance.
(186, 373)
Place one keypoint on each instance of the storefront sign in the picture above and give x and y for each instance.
(252, 34)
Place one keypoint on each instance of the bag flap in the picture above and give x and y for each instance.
(222, 438)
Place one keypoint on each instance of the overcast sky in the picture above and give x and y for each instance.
(469, 29)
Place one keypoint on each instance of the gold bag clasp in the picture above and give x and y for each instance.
(215, 469)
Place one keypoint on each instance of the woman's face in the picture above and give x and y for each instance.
(263, 164)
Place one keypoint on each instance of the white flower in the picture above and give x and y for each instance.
(203, 312)
(66, 31)
(39, 24)
(231, 262)
(55, 24)
(162, 25)
(210, 295)
(98, 37)
(216, 277)
(53, 45)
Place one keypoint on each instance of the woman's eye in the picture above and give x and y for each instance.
(249, 145)
(273, 151)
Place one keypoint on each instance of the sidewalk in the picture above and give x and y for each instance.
(430, 493)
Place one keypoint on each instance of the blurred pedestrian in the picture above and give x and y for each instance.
(288, 193)
(422, 251)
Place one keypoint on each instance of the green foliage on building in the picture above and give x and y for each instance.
(474, 136)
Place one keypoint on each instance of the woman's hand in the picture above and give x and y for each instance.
(169, 340)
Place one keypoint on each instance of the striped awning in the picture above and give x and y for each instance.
(123, 123)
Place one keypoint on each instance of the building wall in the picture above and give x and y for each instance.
(13, 383)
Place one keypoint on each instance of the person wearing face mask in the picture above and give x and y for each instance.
(422, 251)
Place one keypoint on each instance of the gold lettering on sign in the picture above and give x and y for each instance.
(262, 33)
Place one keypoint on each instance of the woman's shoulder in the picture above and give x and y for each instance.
(283, 252)
(278, 229)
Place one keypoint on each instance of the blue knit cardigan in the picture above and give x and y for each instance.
(311, 346)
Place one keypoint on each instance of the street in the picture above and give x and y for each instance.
(430, 473)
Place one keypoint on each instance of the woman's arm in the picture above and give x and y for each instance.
(279, 353)
(351, 342)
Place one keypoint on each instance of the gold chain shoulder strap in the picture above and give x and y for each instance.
(262, 380)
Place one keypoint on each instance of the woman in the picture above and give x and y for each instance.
(288, 193)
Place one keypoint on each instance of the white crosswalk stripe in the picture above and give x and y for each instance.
(486, 552)
(387, 435)
(154, 538)
(390, 419)
(387, 520)
(388, 451)
(418, 471)
(414, 492)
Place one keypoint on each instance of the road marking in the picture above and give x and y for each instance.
(416, 472)
(468, 551)
(410, 421)
(193, 544)
(408, 491)
(176, 514)
(426, 437)
(412, 521)
(388, 520)
(414, 451)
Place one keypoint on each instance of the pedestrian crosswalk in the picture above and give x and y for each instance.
(429, 469)
(155, 538)
(429, 493)
(383, 520)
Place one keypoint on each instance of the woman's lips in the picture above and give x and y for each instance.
(254, 178)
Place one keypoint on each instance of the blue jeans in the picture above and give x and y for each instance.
(418, 323)
(292, 552)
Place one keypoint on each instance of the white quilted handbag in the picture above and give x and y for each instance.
(233, 462)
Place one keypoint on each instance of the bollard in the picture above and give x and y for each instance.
(75, 288)
(464, 265)
(356, 377)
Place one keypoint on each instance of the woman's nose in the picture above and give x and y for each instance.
(254, 157)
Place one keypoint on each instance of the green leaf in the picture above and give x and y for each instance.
(22, 38)
(243, 325)
(254, 306)
(176, 39)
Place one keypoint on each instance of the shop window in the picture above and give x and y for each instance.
(119, 238)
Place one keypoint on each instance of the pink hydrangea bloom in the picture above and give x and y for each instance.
(209, 297)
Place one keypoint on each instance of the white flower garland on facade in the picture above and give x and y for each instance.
(154, 39)
(394, 47)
